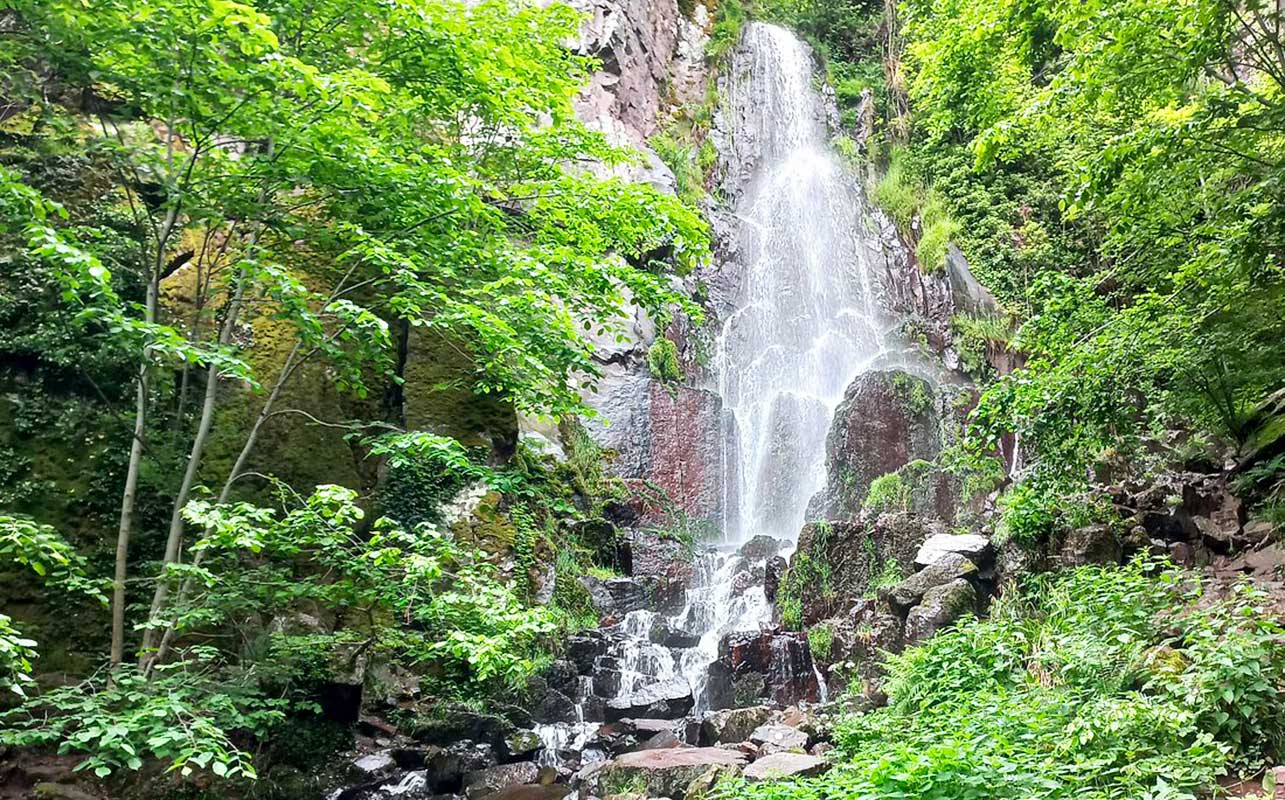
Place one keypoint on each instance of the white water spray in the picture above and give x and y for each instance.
(807, 321)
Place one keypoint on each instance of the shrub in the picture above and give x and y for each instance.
(887, 492)
(821, 641)
(662, 361)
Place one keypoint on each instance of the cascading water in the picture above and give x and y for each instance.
(807, 321)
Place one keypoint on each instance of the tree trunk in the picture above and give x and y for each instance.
(175, 538)
(129, 496)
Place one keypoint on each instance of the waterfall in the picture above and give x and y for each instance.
(803, 323)
(806, 320)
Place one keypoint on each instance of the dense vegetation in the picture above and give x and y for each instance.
(1112, 172)
(224, 225)
(212, 214)
(1096, 683)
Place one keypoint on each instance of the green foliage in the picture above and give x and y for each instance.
(1098, 683)
(889, 575)
(730, 18)
(887, 492)
(1114, 170)
(939, 228)
(821, 641)
(186, 719)
(686, 161)
(662, 361)
(39, 548)
(897, 194)
(809, 572)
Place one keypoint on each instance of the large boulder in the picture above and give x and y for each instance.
(941, 606)
(974, 547)
(910, 592)
(662, 773)
(761, 666)
(732, 725)
(887, 420)
(1092, 544)
(784, 766)
(615, 597)
(670, 699)
(777, 738)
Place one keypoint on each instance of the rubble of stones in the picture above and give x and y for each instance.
(671, 758)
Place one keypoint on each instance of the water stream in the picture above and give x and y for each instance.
(805, 323)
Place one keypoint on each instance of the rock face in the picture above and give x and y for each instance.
(887, 420)
(856, 555)
(753, 667)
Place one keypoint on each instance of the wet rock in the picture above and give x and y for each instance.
(562, 675)
(761, 547)
(1092, 544)
(778, 738)
(555, 707)
(910, 592)
(679, 638)
(493, 779)
(941, 606)
(781, 766)
(732, 724)
(659, 631)
(974, 547)
(446, 767)
(663, 773)
(372, 767)
(583, 650)
(754, 667)
(615, 597)
(670, 699)
(772, 573)
(521, 744)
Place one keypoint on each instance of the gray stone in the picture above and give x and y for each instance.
(778, 738)
(778, 766)
(374, 765)
(493, 779)
(951, 566)
(941, 606)
(1092, 544)
(732, 724)
(663, 773)
(974, 547)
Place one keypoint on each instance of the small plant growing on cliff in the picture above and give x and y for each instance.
(662, 361)
(888, 492)
(821, 641)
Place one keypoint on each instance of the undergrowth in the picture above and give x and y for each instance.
(1097, 683)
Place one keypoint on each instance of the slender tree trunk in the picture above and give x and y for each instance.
(175, 538)
(293, 361)
(129, 497)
